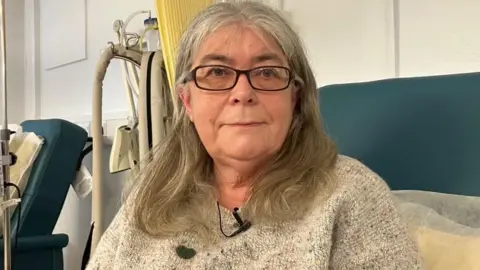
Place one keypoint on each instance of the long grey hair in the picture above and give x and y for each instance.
(175, 191)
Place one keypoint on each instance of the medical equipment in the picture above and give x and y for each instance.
(125, 153)
(7, 159)
(129, 40)
(155, 111)
(132, 56)
(155, 103)
(25, 146)
(46, 169)
(154, 89)
(150, 39)
(121, 154)
(34, 245)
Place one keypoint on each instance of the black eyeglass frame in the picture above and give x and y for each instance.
(192, 76)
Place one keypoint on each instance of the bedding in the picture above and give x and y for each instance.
(445, 226)
(26, 146)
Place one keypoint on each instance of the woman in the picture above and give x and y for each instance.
(248, 179)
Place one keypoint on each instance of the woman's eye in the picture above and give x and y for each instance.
(267, 72)
(218, 72)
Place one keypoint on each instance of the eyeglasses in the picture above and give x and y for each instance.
(218, 78)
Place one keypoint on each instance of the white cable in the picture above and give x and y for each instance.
(133, 111)
(127, 21)
(130, 68)
(132, 71)
(126, 79)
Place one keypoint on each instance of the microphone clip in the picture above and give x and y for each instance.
(243, 225)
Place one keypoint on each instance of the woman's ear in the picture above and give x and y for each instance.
(186, 99)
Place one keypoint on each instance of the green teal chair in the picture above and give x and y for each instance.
(42, 201)
(418, 133)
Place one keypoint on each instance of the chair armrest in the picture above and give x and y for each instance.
(38, 242)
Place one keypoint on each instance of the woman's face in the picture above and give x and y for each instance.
(240, 124)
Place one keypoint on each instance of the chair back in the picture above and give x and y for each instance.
(418, 133)
(52, 173)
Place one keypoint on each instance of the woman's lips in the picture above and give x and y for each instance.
(246, 124)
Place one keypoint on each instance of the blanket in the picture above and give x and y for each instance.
(445, 226)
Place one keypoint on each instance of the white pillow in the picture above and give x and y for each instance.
(26, 147)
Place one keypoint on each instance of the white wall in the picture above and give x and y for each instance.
(439, 37)
(352, 40)
(347, 41)
(67, 91)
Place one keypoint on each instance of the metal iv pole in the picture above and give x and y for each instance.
(5, 156)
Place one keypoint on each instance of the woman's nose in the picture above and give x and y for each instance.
(243, 93)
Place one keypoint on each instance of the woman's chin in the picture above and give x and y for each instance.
(245, 153)
(243, 157)
(246, 148)
(244, 162)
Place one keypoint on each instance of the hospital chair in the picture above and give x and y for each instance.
(52, 174)
(418, 133)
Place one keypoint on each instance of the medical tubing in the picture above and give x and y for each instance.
(127, 83)
(130, 67)
(134, 57)
(4, 147)
(127, 21)
(132, 70)
(162, 102)
(128, 86)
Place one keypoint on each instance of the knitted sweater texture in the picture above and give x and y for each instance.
(357, 227)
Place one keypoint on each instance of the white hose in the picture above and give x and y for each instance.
(129, 70)
(131, 100)
(119, 52)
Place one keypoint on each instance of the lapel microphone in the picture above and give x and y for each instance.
(243, 225)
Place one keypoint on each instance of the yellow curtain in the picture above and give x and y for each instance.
(173, 17)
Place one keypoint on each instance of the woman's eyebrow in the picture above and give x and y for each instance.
(216, 57)
(227, 60)
(268, 57)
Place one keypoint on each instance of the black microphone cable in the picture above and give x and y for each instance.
(244, 226)
(19, 205)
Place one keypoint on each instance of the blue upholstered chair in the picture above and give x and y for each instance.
(52, 174)
(418, 133)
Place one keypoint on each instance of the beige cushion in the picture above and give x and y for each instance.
(445, 251)
(26, 147)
